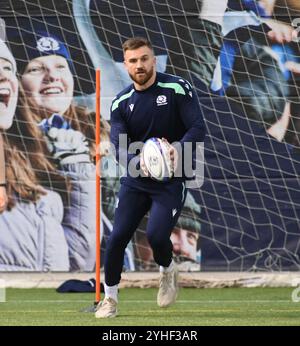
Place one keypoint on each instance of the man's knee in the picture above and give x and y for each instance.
(154, 240)
(157, 241)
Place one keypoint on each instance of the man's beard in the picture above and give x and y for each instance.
(143, 81)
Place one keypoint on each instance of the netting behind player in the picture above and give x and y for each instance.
(246, 215)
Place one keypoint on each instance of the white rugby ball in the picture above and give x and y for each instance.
(157, 159)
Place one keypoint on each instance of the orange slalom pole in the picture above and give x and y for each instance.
(98, 188)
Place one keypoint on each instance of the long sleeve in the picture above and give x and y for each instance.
(32, 238)
(79, 221)
(192, 117)
(119, 130)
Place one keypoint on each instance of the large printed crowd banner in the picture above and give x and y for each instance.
(245, 216)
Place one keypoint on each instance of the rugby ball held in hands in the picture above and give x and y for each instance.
(156, 156)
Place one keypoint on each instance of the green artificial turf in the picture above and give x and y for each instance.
(194, 307)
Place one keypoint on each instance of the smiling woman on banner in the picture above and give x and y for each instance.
(46, 75)
(32, 237)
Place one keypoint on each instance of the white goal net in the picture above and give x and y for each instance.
(245, 217)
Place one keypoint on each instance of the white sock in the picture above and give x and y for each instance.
(213, 10)
(167, 269)
(111, 291)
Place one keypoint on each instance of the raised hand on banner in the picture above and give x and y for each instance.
(67, 145)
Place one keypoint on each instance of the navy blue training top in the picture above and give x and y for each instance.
(169, 108)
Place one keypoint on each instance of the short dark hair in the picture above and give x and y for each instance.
(135, 43)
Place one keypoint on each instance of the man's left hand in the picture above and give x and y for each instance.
(173, 154)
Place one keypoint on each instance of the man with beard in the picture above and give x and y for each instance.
(155, 105)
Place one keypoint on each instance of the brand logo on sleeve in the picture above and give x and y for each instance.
(131, 106)
(161, 100)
